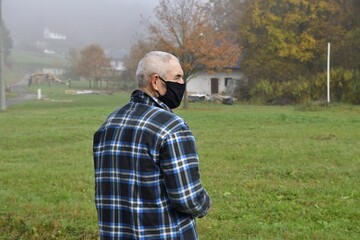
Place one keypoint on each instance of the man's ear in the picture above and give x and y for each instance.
(153, 82)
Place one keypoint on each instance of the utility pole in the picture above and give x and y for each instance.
(2, 80)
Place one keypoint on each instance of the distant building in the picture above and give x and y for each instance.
(118, 65)
(116, 59)
(51, 35)
(53, 43)
(54, 71)
(222, 82)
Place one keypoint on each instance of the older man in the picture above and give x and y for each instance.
(147, 182)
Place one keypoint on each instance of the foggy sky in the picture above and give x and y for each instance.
(110, 23)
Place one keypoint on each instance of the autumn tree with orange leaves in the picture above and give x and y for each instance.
(182, 28)
(93, 64)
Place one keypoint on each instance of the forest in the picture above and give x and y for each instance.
(280, 45)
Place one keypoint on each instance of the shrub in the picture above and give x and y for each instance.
(281, 93)
(344, 86)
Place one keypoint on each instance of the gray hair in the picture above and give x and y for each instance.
(151, 63)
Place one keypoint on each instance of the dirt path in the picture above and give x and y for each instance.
(22, 89)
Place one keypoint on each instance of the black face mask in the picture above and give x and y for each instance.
(173, 95)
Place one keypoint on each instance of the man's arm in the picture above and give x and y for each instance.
(180, 164)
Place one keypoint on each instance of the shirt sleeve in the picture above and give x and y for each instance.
(180, 164)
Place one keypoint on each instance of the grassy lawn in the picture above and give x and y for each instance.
(272, 172)
(27, 57)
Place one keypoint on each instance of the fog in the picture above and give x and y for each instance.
(110, 23)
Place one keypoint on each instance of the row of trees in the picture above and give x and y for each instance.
(280, 45)
(93, 64)
(286, 43)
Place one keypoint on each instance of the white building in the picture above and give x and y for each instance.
(118, 65)
(51, 35)
(216, 83)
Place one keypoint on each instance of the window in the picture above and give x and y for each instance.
(227, 81)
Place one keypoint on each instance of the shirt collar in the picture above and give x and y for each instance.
(139, 96)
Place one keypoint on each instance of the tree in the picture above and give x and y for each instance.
(285, 39)
(93, 64)
(72, 64)
(137, 51)
(347, 54)
(225, 16)
(183, 28)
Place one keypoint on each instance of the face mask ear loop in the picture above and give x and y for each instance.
(162, 79)
(158, 93)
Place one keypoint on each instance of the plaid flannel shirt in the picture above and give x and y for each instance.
(147, 182)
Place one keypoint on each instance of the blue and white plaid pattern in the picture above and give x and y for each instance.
(147, 182)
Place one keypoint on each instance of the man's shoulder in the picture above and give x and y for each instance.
(164, 116)
(149, 116)
(163, 119)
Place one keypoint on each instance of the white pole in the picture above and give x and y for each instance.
(39, 94)
(328, 74)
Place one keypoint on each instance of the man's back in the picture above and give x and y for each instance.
(146, 174)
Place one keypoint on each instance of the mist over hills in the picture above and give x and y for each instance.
(110, 23)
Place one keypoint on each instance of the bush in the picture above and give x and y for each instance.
(344, 86)
(262, 91)
(353, 89)
(281, 93)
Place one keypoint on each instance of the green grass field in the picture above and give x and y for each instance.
(272, 172)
